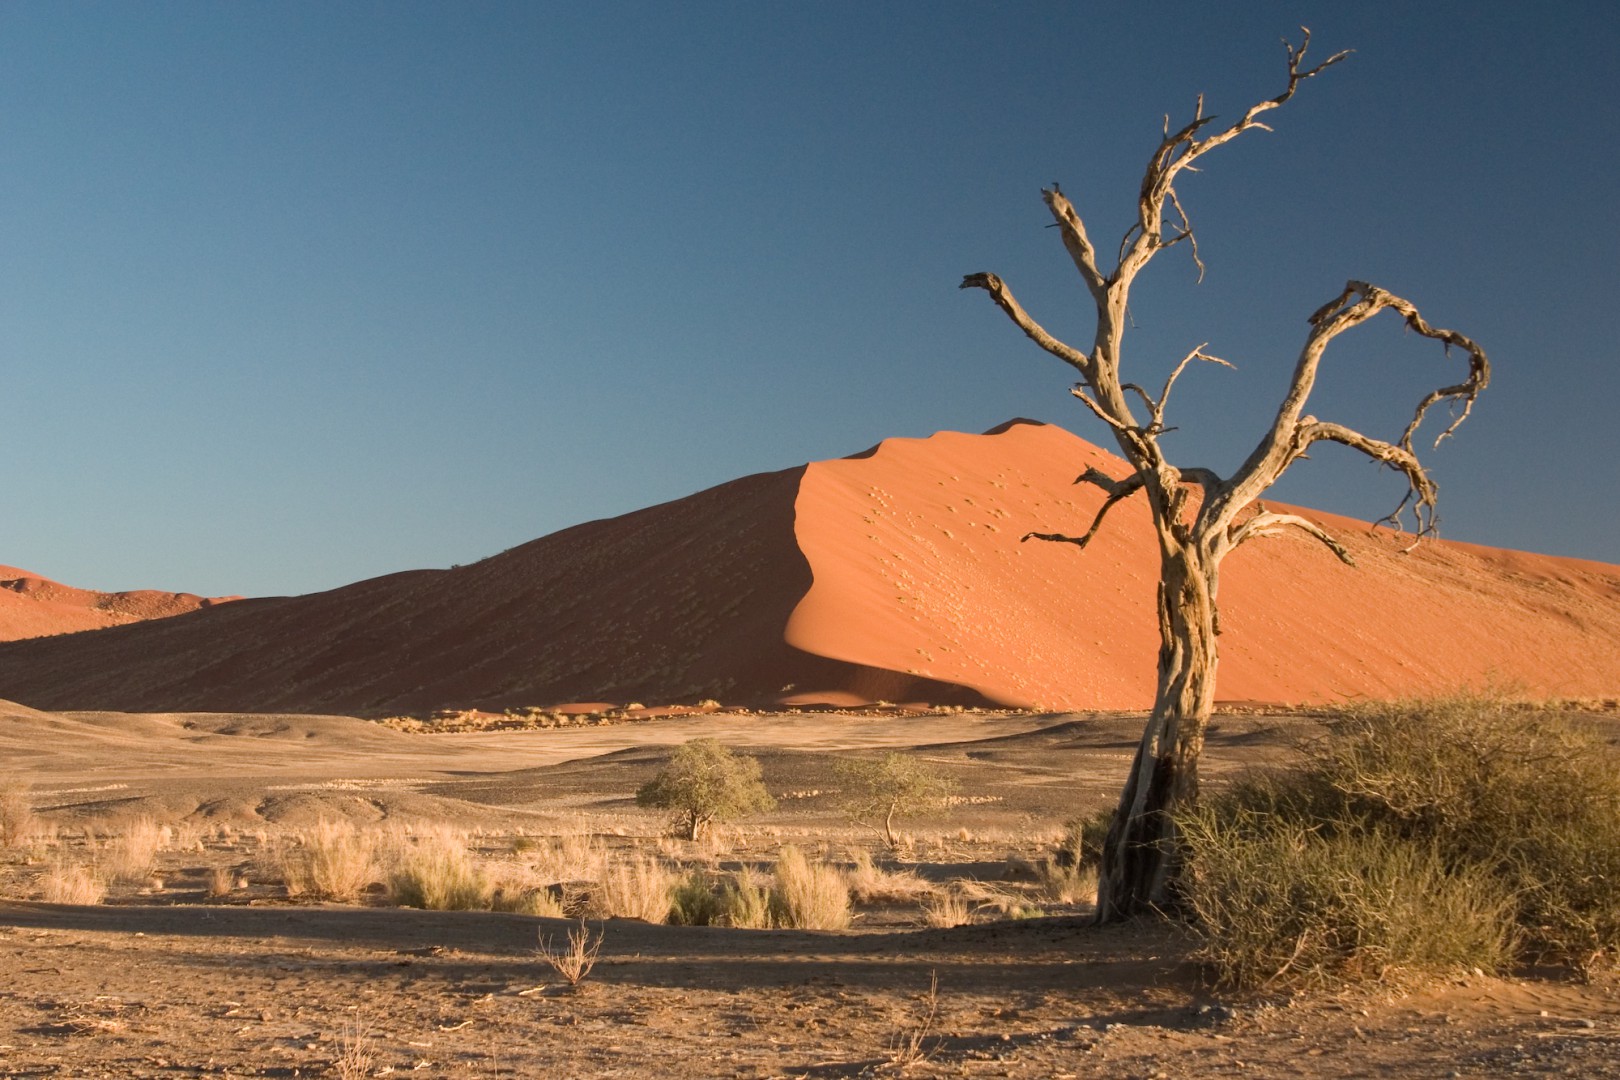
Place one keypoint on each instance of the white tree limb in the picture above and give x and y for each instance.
(1003, 297)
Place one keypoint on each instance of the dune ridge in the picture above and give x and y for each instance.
(35, 606)
(895, 574)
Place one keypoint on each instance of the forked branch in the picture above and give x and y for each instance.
(1267, 523)
(1118, 491)
(1291, 434)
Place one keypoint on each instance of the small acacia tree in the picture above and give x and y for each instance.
(878, 790)
(1199, 516)
(705, 782)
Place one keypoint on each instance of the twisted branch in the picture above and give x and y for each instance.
(1003, 297)
(1118, 491)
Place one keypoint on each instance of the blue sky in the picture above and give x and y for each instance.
(296, 294)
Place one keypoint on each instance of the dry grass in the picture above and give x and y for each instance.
(221, 881)
(71, 883)
(808, 896)
(131, 858)
(911, 1044)
(1067, 884)
(636, 887)
(332, 861)
(356, 1057)
(947, 909)
(871, 884)
(574, 961)
(17, 821)
(436, 872)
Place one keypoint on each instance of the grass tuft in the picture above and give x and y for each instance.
(808, 896)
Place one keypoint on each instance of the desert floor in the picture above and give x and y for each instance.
(165, 979)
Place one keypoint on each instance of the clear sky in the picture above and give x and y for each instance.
(294, 294)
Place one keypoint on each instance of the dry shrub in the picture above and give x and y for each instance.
(745, 902)
(221, 881)
(871, 884)
(70, 883)
(1483, 831)
(1067, 884)
(735, 899)
(17, 822)
(575, 960)
(436, 872)
(575, 857)
(696, 901)
(332, 861)
(637, 887)
(132, 857)
(808, 896)
(1282, 900)
(947, 909)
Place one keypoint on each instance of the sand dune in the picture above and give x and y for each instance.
(35, 606)
(896, 574)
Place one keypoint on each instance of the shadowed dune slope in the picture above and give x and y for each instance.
(896, 574)
(34, 606)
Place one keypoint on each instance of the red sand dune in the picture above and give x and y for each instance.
(34, 606)
(894, 575)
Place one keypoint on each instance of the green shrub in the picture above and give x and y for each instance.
(1464, 831)
(695, 902)
(878, 790)
(705, 782)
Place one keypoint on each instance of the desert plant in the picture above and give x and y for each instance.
(1492, 810)
(705, 782)
(575, 960)
(1285, 901)
(70, 883)
(636, 887)
(911, 1044)
(1067, 883)
(745, 903)
(17, 821)
(332, 861)
(871, 884)
(696, 901)
(946, 909)
(1083, 837)
(356, 1056)
(878, 790)
(438, 873)
(221, 881)
(131, 857)
(806, 895)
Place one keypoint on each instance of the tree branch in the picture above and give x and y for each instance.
(1076, 241)
(1177, 151)
(999, 292)
(1266, 523)
(1118, 490)
(1290, 435)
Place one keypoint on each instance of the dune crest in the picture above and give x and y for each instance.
(895, 574)
(36, 606)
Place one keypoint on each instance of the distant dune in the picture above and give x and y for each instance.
(35, 606)
(893, 575)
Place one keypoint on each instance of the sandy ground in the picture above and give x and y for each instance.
(164, 982)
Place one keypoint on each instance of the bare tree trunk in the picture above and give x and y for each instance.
(1141, 856)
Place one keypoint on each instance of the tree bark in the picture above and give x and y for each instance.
(1141, 856)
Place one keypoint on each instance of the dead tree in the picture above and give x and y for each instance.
(1200, 517)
